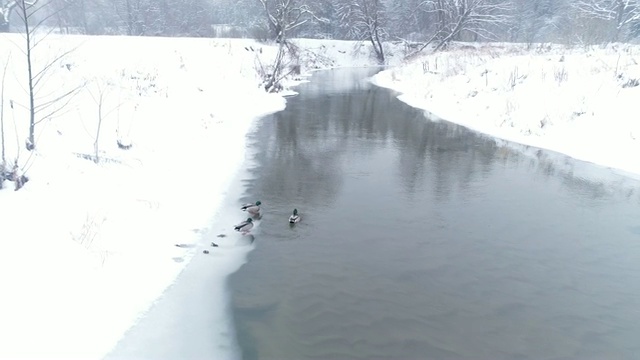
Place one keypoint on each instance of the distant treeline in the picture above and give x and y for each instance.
(529, 21)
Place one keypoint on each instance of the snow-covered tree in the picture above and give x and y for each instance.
(622, 14)
(538, 20)
(323, 24)
(135, 15)
(92, 17)
(284, 16)
(6, 6)
(404, 20)
(480, 18)
(634, 29)
(236, 12)
(181, 18)
(365, 20)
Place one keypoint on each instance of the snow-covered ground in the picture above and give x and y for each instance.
(86, 247)
(578, 101)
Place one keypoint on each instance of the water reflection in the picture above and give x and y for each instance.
(315, 133)
(422, 239)
(582, 179)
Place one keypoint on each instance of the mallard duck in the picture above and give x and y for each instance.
(294, 218)
(245, 226)
(253, 209)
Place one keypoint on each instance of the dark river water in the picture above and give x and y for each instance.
(424, 240)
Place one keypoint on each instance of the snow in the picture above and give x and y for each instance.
(85, 247)
(576, 101)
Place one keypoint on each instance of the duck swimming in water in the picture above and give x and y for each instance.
(245, 226)
(253, 209)
(294, 218)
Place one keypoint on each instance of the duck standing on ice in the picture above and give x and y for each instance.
(245, 226)
(253, 209)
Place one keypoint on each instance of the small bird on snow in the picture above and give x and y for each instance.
(245, 226)
(294, 218)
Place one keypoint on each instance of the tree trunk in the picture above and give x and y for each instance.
(274, 80)
(3, 163)
(377, 46)
(96, 146)
(31, 142)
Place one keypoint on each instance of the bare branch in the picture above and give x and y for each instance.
(619, 12)
(473, 16)
(40, 74)
(286, 15)
(364, 20)
(44, 105)
(68, 97)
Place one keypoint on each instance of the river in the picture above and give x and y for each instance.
(421, 239)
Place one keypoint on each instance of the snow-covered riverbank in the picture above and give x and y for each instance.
(87, 247)
(580, 102)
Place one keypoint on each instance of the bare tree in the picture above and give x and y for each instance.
(3, 163)
(96, 17)
(277, 73)
(622, 13)
(99, 96)
(99, 100)
(538, 20)
(404, 20)
(23, 8)
(478, 17)
(364, 19)
(181, 18)
(69, 16)
(284, 16)
(43, 107)
(323, 29)
(134, 14)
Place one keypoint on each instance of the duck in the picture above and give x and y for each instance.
(245, 226)
(253, 209)
(294, 218)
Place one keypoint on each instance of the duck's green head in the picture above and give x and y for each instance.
(295, 212)
(258, 203)
(249, 220)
